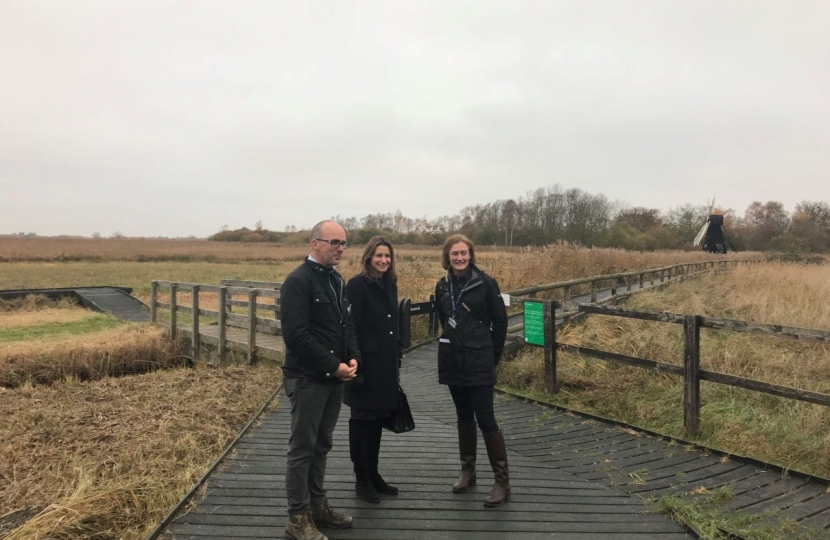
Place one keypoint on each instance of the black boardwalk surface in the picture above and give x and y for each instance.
(572, 477)
(246, 499)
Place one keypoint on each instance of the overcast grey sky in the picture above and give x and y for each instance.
(173, 118)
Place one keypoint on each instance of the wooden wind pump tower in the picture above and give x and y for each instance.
(712, 236)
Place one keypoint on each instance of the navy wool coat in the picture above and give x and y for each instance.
(375, 317)
(469, 351)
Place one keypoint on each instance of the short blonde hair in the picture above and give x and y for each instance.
(451, 241)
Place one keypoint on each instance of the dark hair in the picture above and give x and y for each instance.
(369, 251)
(451, 241)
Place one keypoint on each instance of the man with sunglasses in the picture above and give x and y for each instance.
(321, 353)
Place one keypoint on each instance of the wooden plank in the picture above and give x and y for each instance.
(623, 359)
(802, 334)
(767, 388)
(194, 308)
(242, 321)
(691, 375)
(251, 284)
(252, 325)
(173, 310)
(244, 303)
(631, 314)
(223, 324)
(154, 287)
(267, 293)
(551, 385)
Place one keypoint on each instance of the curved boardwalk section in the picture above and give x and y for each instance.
(648, 467)
(247, 498)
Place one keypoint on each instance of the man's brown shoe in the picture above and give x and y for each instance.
(302, 527)
(326, 516)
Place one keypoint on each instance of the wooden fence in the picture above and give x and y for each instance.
(564, 290)
(228, 297)
(247, 296)
(690, 369)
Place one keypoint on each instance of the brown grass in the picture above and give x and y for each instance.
(118, 351)
(108, 459)
(794, 434)
(419, 267)
(9, 319)
(14, 249)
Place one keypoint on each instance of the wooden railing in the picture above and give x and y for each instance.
(626, 279)
(690, 369)
(614, 282)
(225, 318)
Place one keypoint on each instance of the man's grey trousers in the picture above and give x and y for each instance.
(315, 408)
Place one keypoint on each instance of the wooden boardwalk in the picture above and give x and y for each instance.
(247, 498)
(573, 477)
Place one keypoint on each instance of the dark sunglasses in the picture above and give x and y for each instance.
(334, 243)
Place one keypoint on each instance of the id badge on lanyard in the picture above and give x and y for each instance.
(451, 320)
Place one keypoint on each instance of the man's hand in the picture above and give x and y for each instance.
(346, 371)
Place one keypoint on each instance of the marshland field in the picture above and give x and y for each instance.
(105, 425)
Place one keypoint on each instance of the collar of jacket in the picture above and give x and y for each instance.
(382, 282)
(323, 270)
(472, 274)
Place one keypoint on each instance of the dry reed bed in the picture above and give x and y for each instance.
(796, 435)
(48, 315)
(51, 249)
(138, 249)
(108, 459)
(118, 351)
(54, 262)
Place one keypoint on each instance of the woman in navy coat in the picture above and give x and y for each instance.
(474, 322)
(373, 394)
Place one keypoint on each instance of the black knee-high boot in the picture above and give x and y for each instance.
(358, 451)
(373, 456)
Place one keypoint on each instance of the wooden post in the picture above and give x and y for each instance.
(551, 384)
(641, 281)
(154, 291)
(173, 308)
(691, 375)
(223, 324)
(593, 292)
(566, 293)
(662, 276)
(195, 342)
(613, 286)
(252, 293)
(628, 283)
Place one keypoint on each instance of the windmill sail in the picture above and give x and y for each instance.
(701, 234)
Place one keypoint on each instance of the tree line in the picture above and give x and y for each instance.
(553, 214)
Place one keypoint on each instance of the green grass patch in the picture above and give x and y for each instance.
(93, 323)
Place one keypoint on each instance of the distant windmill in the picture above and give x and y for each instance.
(712, 235)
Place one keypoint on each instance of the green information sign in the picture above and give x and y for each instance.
(534, 317)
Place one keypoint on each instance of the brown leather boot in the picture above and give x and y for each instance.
(467, 439)
(497, 453)
(302, 527)
(326, 516)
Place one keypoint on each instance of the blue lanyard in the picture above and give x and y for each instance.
(452, 294)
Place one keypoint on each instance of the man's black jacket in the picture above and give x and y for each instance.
(316, 325)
